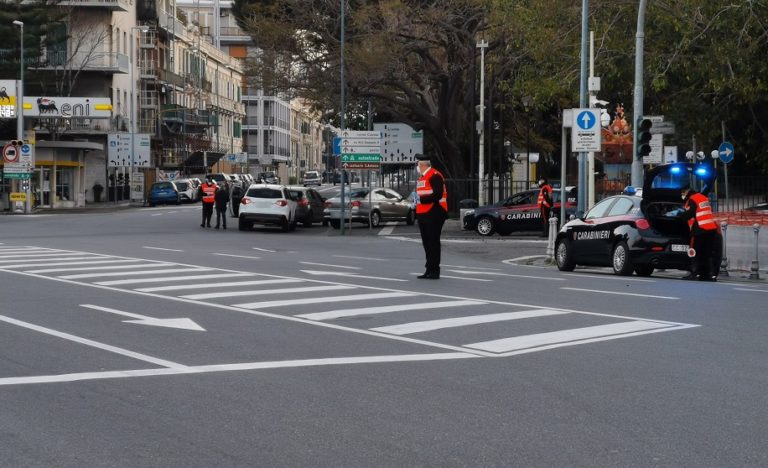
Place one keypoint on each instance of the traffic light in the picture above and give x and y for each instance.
(643, 137)
(17, 142)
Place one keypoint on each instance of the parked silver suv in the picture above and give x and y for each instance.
(366, 205)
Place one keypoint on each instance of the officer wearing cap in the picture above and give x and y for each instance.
(431, 212)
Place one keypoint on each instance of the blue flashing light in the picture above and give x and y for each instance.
(701, 171)
(674, 169)
(629, 190)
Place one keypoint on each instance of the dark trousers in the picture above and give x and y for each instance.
(221, 216)
(704, 244)
(545, 214)
(430, 228)
(207, 214)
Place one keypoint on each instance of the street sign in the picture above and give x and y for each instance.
(15, 175)
(670, 154)
(360, 134)
(18, 197)
(664, 128)
(656, 156)
(726, 151)
(10, 154)
(369, 158)
(586, 135)
(361, 165)
(400, 143)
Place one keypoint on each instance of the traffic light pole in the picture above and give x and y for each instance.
(637, 109)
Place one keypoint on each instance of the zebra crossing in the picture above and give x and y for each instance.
(477, 326)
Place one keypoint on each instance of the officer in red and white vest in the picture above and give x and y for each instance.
(431, 212)
(703, 226)
(545, 204)
(207, 194)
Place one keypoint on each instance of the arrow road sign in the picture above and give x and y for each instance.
(586, 119)
(726, 151)
(585, 133)
(182, 323)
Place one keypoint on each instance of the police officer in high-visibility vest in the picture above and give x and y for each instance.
(545, 204)
(431, 212)
(703, 226)
(207, 194)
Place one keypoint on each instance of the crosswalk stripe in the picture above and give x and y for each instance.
(430, 325)
(573, 335)
(97, 262)
(134, 273)
(334, 314)
(54, 260)
(179, 287)
(112, 267)
(18, 256)
(315, 300)
(259, 292)
(171, 278)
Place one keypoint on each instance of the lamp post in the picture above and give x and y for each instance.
(20, 108)
(482, 45)
(527, 103)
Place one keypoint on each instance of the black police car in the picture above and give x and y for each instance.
(631, 233)
(520, 212)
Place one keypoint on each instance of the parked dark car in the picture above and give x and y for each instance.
(164, 193)
(520, 212)
(309, 206)
(631, 233)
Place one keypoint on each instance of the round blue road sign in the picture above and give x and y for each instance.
(726, 152)
(586, 120)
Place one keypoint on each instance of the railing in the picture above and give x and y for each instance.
(101, 61)
(743, 192)
(113, 5)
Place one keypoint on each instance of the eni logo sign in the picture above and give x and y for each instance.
(64, 106)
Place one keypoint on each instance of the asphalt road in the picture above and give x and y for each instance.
(137, 338)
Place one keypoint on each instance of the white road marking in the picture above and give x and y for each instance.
(238, 256)
(332, 266)
(610, 277)
(334, 314)
(468, 272)
(751, 290)
(571, 336)
(470, 267)
(46, 263)
(95, 344)
(36, 255)
(260, 292)
(98, 262)
(180, 287)
(388, 229)
(349, 275)
(157, 214)
(512, 261)
(463, 278)
(244, 366)
(264, 250)
(172, 278)
(406, 239)
(620, 293)
(363, 258)
(430, 325)
(134, 273)
(162, 248)
(319, 300)
(113, 267)
(180, 323)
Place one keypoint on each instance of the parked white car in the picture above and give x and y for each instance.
(187, 190)
(267, 205)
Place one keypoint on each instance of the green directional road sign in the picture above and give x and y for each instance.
(16, 175)
(354, 157)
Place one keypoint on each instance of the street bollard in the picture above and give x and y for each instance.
(724, 260)
(551, 238)
(755, 269)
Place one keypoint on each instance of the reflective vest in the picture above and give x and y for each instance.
(423, 189)
(209, 193)
(704, 217)
(542, 201)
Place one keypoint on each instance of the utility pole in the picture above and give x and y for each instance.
(637, 106)
(482, 45)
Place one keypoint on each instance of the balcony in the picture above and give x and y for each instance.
(111, 5)
(233, 35)
(101, 62)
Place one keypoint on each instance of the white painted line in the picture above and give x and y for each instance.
(48, 260)
(260, 292)
(264, 250)
(511, 261)
(172, 278)
(363, 258)
(349, 275)
(95, 344)
(134, 273)
(468, 272)
(388, 229)
(462, 278)
(157, 214)
(334, 314)
(98, 262)
(319, 300)
(245, 366)
(36, 256)
(621, 293)
(751, 290)
(470, 267)
(180, 287)
(237, 256)
(609, 277)
(572, 335)
(405, 239)
(113, 267)
(332, 266)
(180, 323)
(430, 325)
(161, 248)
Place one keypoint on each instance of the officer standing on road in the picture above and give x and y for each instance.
(431, 211)
(222, 198)
(545, 204)
(703, 228)
(207, 194)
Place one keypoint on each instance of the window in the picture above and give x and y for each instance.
(64, 183)
(600, 209)
(622, 207)
(261, 192)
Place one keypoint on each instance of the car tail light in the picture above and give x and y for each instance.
(657, 249)
(642, 223)
(327, 204)
(356, 203)
(281, 202)
(245, 201)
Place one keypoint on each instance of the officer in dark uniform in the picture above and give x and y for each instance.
(221, 198)
(701, 221)
(431, 212)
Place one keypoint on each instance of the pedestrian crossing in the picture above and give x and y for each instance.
(432, 319)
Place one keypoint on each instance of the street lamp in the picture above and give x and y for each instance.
(134, 117)
(527, 103)
(482, 45)
(20, 108)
